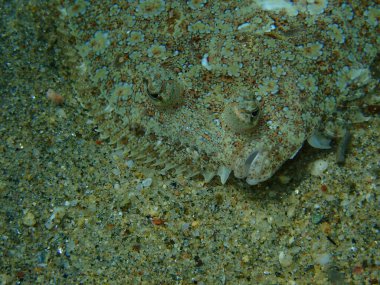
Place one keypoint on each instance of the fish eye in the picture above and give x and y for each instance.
(241, 117)
(154, 96)
(163, 89)
(255, 113)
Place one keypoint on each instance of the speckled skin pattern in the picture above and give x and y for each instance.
(204, 87)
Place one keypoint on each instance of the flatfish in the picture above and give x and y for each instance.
(210, 88)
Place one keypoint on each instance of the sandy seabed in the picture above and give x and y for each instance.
(75, 211)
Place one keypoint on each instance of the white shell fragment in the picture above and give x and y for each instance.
(205, 62)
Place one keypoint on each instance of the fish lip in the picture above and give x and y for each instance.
(253, 182)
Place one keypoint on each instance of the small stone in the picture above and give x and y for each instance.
(56, 217)
(3, 186)
(116, 171)
(129, 163)
(245, 259)
(139, 187)
(291, 212)
(318, 167)
(323, 259)
(55, 97)
(29, 219)
(284, 179)
(185, 226)
(316, 218)
(285, 259)
(326, 228)
(147, 182)
(5, 279)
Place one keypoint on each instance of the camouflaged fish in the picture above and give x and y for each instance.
(212, 87)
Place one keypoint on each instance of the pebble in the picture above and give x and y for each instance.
(284, 179)
(245, 259)
(147, 182)
(56, 217)
(29, 219)
(316, 218)
(3, 186)
(318, 167)
(129, 163)
(116, 171)
(285, 259)
(291, 212)
(323, 259)
(185, 226)
(55, 97)
(144, 184)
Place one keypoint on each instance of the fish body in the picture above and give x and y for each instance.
(215, 87)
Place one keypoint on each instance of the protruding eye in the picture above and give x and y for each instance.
(246, 112)
(241, 117)
(163, 89)
(155, 96)
(154, 88)
(255, 113)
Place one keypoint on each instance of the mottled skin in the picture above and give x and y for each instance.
(195, 79)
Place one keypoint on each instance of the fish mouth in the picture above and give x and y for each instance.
(257, 163)
(255, 167)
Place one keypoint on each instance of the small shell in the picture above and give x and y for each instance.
(241, 117)
(163, 88)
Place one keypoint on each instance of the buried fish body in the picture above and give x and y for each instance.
(210, 88)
